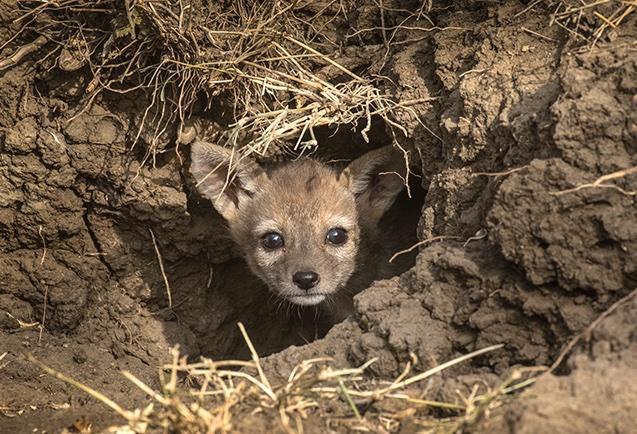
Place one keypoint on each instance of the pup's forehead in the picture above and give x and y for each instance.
(307, 190)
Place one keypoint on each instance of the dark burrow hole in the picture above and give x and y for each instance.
(215, 297)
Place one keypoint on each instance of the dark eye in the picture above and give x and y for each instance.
(272, 240)
(337, 236)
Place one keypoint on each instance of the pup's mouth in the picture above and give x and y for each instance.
(307, 300)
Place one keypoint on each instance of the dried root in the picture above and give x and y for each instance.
(285, 66)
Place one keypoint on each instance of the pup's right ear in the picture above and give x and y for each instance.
(224, 177)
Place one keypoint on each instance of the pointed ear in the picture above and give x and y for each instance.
(223, 177)
(375, 179)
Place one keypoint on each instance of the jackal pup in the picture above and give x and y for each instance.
(304, 227)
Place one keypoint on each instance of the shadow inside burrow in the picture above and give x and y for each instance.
(211, 287)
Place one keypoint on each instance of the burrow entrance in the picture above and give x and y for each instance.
(212, 292)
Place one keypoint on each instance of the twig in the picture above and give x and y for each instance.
(599, 183)
(528, 8)
(43, 244)
(161, 267)
(326, 58)
(567, 349)
(473, 71)
(255, 359)
(422, 243)
(42, 323)
(94, 393)
(496, 174)
(22, 324)
(3, 355)
(480, 235)
(604, 19)
(442, 367)
(348, 398)
(539, 35)
(22, 52)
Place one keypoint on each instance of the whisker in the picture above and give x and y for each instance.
(288, 309)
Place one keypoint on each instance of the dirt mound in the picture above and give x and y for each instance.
(599, 382)
(511, 118)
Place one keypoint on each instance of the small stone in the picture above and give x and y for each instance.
(79, 356)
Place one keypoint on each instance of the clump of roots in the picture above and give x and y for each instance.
(285, 65)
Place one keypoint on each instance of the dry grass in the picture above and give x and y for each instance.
(591, 22)
(231, 396)
(274, 60)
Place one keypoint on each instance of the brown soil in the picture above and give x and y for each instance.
(77, 208)
(598, 396)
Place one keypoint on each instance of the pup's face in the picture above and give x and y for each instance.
(299, 225)
(300, 232)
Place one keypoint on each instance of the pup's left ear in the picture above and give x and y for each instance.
(376, 179)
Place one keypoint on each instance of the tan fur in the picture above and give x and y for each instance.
(301, 200)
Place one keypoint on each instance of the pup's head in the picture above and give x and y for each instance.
(299, 224)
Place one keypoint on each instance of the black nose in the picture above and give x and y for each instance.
(306, 279)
